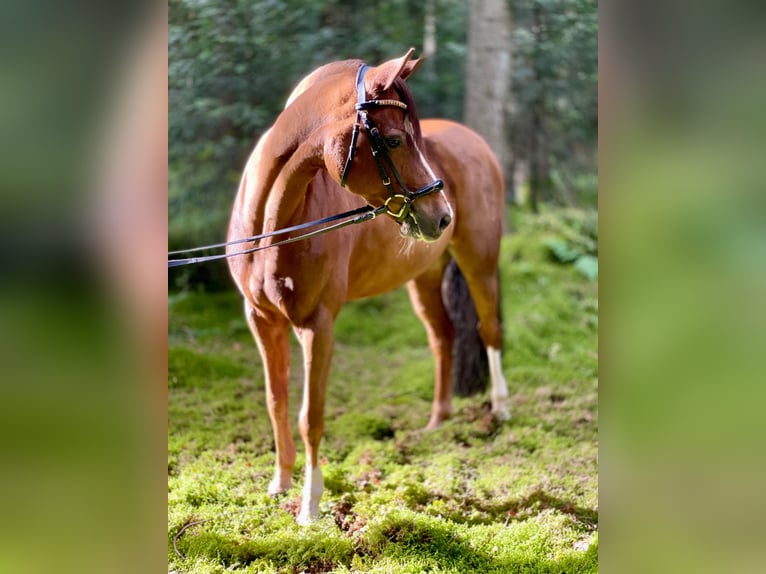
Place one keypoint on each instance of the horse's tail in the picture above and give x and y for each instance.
(470, 368)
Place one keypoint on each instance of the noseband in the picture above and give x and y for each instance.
(380, 153)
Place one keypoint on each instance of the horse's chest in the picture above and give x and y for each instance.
(390, 266)
(292, 284)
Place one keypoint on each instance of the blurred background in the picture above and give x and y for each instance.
(523, 73)
(682, 228)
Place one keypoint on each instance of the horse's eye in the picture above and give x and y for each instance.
(393, 142)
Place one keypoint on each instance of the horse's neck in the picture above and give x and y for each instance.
(292, 181)
(278, 173)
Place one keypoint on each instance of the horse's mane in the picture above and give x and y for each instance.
(322, 71)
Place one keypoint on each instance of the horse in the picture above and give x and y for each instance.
(315, 161)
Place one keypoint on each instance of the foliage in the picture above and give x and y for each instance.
(555, 75)
(574, 239)
(475, 496)
(232, 64)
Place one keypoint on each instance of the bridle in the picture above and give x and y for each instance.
(380, 153)
(359, 215)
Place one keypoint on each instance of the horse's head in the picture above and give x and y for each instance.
(384, 163)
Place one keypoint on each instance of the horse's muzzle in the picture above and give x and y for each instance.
(425, 228)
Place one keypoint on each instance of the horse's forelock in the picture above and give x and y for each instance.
(403, 91)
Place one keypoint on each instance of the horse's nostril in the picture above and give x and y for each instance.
(445, 221)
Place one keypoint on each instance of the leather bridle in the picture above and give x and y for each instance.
(359, 215)
(380, 154)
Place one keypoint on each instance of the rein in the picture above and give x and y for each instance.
(361, 214)
(382, 159)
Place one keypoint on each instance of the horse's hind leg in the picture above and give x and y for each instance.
(272, 336)
(426, 297)
(480, 272)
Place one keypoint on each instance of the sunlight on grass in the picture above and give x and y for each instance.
(474, 496)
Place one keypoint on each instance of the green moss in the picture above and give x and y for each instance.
(377, 322)
(473, 496)
(187, 368)
(336, 479)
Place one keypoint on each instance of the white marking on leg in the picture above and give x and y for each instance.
(499, 386)
(281, 482)
(312, 493)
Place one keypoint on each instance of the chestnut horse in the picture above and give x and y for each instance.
(294, 175)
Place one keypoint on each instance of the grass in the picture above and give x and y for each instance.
(474, 496)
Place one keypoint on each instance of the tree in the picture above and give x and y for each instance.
(232, 64)
(488, 73)
(528, 86)
(554, 119)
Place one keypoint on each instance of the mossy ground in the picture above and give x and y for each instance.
(474, 496)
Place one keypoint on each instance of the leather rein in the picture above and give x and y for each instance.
(383, 160)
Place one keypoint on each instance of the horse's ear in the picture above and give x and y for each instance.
(383, 76)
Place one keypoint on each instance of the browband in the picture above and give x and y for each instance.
(380, 103)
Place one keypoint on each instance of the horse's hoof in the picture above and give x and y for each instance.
(501, 415)
(437, 421)
(500, 408)
(433, 425)
(305, 517)
(278, 487)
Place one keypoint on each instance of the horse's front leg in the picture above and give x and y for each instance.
(272, 335)
(317, 340)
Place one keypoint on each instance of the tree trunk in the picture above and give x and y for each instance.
(534, 159)
(488, 74)
(540, 182)
(429, 42)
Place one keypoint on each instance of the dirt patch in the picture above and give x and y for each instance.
(292, 506)
(319, 567)
(367, 478)
(346, 519)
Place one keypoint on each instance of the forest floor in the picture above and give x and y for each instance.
(474, 496)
